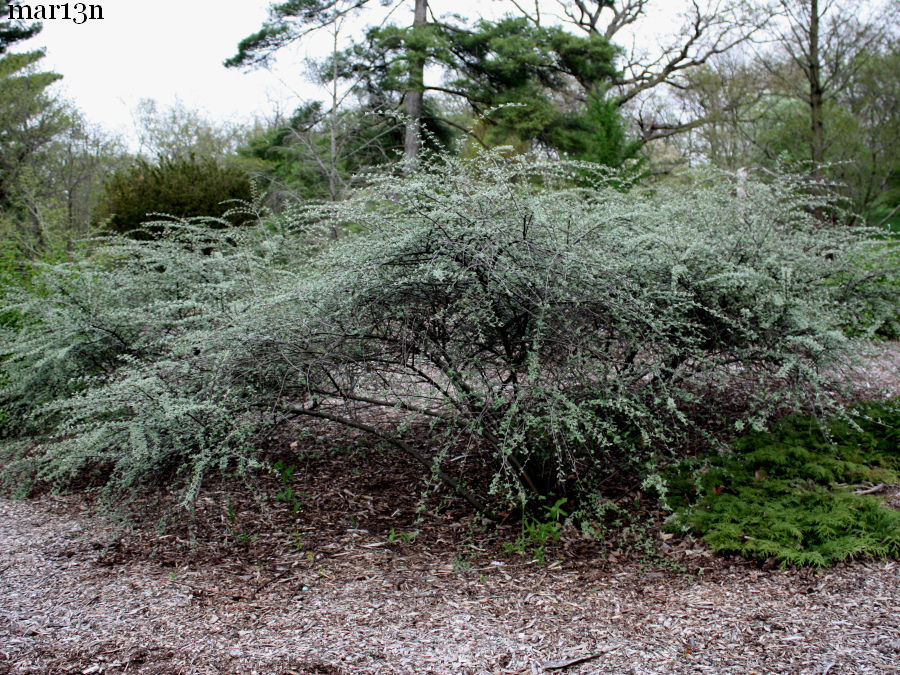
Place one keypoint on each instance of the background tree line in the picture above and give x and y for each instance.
(809, 84)
(812, 84)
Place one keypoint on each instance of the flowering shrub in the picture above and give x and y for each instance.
(119, 364)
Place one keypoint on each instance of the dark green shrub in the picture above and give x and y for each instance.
(182, 188)
(785, 494)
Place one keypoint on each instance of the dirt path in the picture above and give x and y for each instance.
(367, 606)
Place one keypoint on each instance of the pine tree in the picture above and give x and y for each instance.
(14, 31)
(293, 20)
(29, 119)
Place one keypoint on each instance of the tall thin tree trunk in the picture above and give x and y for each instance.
(816, 92)
(415, 94)
(332, 123)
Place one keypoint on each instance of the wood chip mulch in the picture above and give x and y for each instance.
(377, 607)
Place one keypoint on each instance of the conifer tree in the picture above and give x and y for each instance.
(29, 119)
(549, 83)
(293, 20)
(14, 31)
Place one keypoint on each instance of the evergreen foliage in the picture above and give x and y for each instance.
(549, 82)
(51, 160)
(785, 494)
(596, 135)
(529, 86)
(29, 120)
(184, 188)
(14, 31)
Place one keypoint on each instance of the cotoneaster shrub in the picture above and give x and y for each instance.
(558, 336)
(119, 370)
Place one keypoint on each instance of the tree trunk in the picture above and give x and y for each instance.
(415, 95)
(332, 126)
(814, 74)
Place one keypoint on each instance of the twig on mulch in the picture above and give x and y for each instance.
(559, 665)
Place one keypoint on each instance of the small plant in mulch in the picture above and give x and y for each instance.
(288, 496)
(804, 494)
(540, 531)
(405, 537)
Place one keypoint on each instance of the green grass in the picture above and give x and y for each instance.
(790, 494)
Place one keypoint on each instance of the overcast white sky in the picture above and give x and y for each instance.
(168, 50)
(172, 50)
